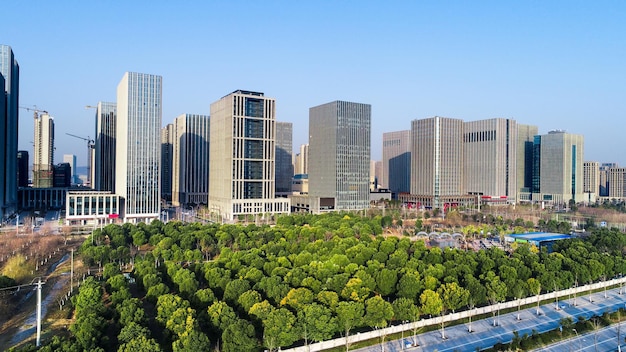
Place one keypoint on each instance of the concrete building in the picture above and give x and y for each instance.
(302, 160)
(604, 178)
(339, 156)
(284, 149)
(490, 162)
(617, 182)
(300, 184)
(91, 207)
(103, 167)
(190, 172)
(44, 151)
(437, 161)
(138, 146)
(242, 155)
(525, 142)
(559, 176)
(168, 134)
(591, 180)
(71, 159)
(62, 175)
(396, 168)
(23, 172)
(9, 108)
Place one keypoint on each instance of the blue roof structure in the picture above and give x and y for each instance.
(541, 236)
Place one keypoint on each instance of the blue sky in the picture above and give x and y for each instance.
(554, 64)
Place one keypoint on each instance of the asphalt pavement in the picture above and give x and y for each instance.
(485, 335)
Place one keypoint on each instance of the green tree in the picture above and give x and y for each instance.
(239, 336)
(234, 289)
(140, 344)
(317, 322)
(534, 286)
(192, 340)
(431, 302)
(409, 285)
(377, 312)
(297, 297)
(349, 315)
(279, 329)
(221, 315)
(453, 296)
(131, 331)
(248, 299)
(386, 280)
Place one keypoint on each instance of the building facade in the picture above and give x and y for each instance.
(62, 175)
(138, 146)
(339, 156)
(525, 143)
(242, 155)
(284, 150)
(44, 151)
(167, 161)
(490, 162)
(71, 159)
(396, 168)
(190, 181)
(559, 176)
(22, 168)
(604, 178)
(302, 160)
(617, 182)
(591, 180)
(9, 108)
(437, 160)
(103, 167)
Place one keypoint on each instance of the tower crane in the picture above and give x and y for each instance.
(34, 110)
(91, 144)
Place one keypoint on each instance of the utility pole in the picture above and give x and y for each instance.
(39, 312)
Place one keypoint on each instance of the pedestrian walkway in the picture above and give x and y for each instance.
(485, 335)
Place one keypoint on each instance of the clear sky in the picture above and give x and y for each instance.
(554, 64)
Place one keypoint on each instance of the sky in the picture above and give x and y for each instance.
(553, 64)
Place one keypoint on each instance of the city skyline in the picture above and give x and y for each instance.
(541, 64)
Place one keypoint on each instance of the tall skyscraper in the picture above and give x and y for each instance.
(525, 138)
(44, 151)
(560, 159)
(302, 160)
(616, 182)
(103, 167)
(9, 97)
(591, 183)
(71, 159)
(284, 149)
(22, 168)
(190, 181)
(604, 178)
(138, 145)
(168, 134)
(339, 156)
(242, 156)
(396, 170)
(437, 158)
(490, 162)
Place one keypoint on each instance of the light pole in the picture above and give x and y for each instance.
(402, 339)
(17, 225)
(579, 343)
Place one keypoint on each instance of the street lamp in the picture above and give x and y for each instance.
(579, 343)
(402, 340)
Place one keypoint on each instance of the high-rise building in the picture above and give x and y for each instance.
(302, 160)
(339, 156)
(103, 166)
(242, 155)
(559, 177)
(44, 151)
(604, 178)
(490, 159)
(62, 175)
(284, 149)
(396, 169)
(591, 182)
(168, 134)
(22, 168)
(525, 142)
(71, 159)
(9, 104)
(190, 172)
(138, 145)
(616, 182)
(437, 159)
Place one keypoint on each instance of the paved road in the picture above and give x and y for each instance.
(604, 339)
(485, 335)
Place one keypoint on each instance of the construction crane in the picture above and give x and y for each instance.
(34, 110)
(91, 144)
